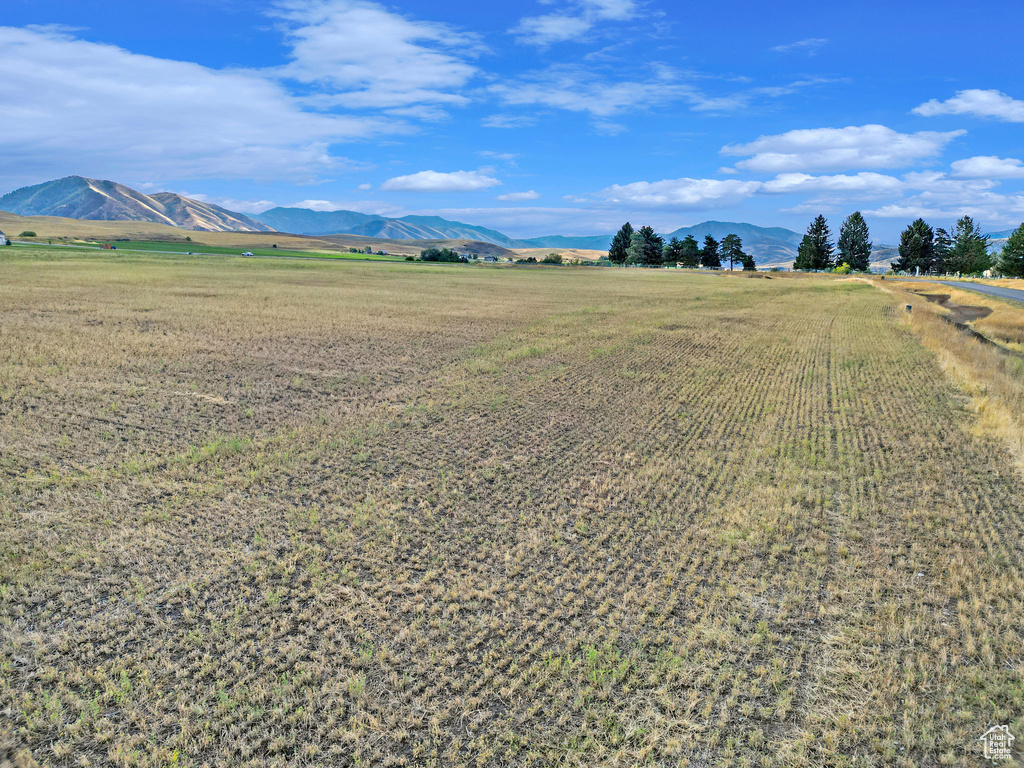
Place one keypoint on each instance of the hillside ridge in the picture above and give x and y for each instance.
(78, 197)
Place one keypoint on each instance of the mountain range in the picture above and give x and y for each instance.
(302, 221)
(76, 197)
(770, 244)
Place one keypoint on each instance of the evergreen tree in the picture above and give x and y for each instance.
(969, 253)
(732, 249)
(805, 254)
(854, 245)
(941, 247)
(1011, 260)
(748, 262)
(821, 243)
(917, 248)
(618, 251)
(709, 253)
(671, 252)
(689, 252)
(645, 247)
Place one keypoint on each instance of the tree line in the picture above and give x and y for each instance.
(965, 250)
(646, 248)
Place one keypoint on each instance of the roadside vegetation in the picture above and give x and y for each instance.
(986, 361)
(277, 513)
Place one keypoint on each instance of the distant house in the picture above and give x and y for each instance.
(4, 239)
(490, 259)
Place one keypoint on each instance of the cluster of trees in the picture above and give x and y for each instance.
(932, 250)
(551, 258)
(441, 254)
(817, 251)
(938, 251)
(645, 247)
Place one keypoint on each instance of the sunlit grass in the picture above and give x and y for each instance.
(290, 513)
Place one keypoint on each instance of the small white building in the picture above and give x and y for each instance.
(4, 239)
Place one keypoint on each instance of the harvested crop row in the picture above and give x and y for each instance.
(613, 517)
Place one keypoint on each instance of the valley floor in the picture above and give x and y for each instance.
(295, 513)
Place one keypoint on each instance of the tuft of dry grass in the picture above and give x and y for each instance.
(275, 514)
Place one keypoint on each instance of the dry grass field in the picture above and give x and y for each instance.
(271, 513)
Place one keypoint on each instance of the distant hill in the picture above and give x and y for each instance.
(586, 243)
(302, 221)
(76, 197)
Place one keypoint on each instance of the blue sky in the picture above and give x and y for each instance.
(553, 117)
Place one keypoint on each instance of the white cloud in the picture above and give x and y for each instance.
(512, 197)
(507, 157)
(72, 106)
(606, 92)
(989, 167)
(375, 58)
(680, 193)
(364, 187)
(608, 128)
(373, 207)
(939, 182)
(238, 206)
(999, 210)
(578, 89)
(571, 24)
(613, 10)
(552, 28)
(810, 46)
(861, 184)
(867, 146)
(508, 121)
(941, 196)
(433, 181)
(979, 103)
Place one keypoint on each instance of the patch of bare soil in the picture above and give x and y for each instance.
(959, 313)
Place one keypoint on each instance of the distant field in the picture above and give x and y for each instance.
(62, 230)
(277, 513)
(567, 253)
(158, 246)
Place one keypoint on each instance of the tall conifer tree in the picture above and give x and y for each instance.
(689, 252)
(709, 253)
(1011, 260)
(732, 249)
(619, 250)
(821, 238)
(854, 245)
(969, 252)
(917, 248)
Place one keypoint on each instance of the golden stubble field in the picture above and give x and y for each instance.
(277, 514)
